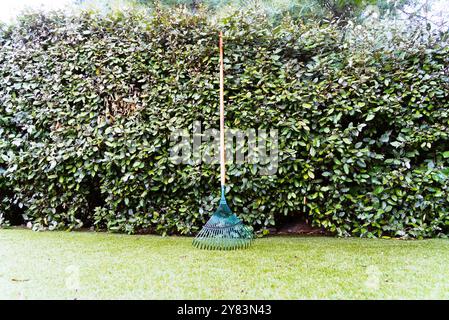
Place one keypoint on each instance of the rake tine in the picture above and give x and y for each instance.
(224, 231)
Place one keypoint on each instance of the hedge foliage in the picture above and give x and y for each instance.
(87, 103)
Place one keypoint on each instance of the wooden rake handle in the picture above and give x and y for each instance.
(222, 129)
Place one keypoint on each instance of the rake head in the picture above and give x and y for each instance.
(223, 231)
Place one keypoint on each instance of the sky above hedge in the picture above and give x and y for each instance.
(439, 10)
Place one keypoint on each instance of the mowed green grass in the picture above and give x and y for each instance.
(88, 265)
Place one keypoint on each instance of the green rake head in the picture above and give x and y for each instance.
(223, 231)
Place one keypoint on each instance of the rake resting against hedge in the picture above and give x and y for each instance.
(224, 230)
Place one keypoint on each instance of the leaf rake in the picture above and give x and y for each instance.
(224, 230)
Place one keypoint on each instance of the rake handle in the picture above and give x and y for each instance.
(222, 129)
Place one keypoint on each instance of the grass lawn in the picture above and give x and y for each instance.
(88, 265)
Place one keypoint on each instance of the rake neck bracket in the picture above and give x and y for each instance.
(223, 199)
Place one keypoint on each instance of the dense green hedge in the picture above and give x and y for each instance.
(87, 103)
